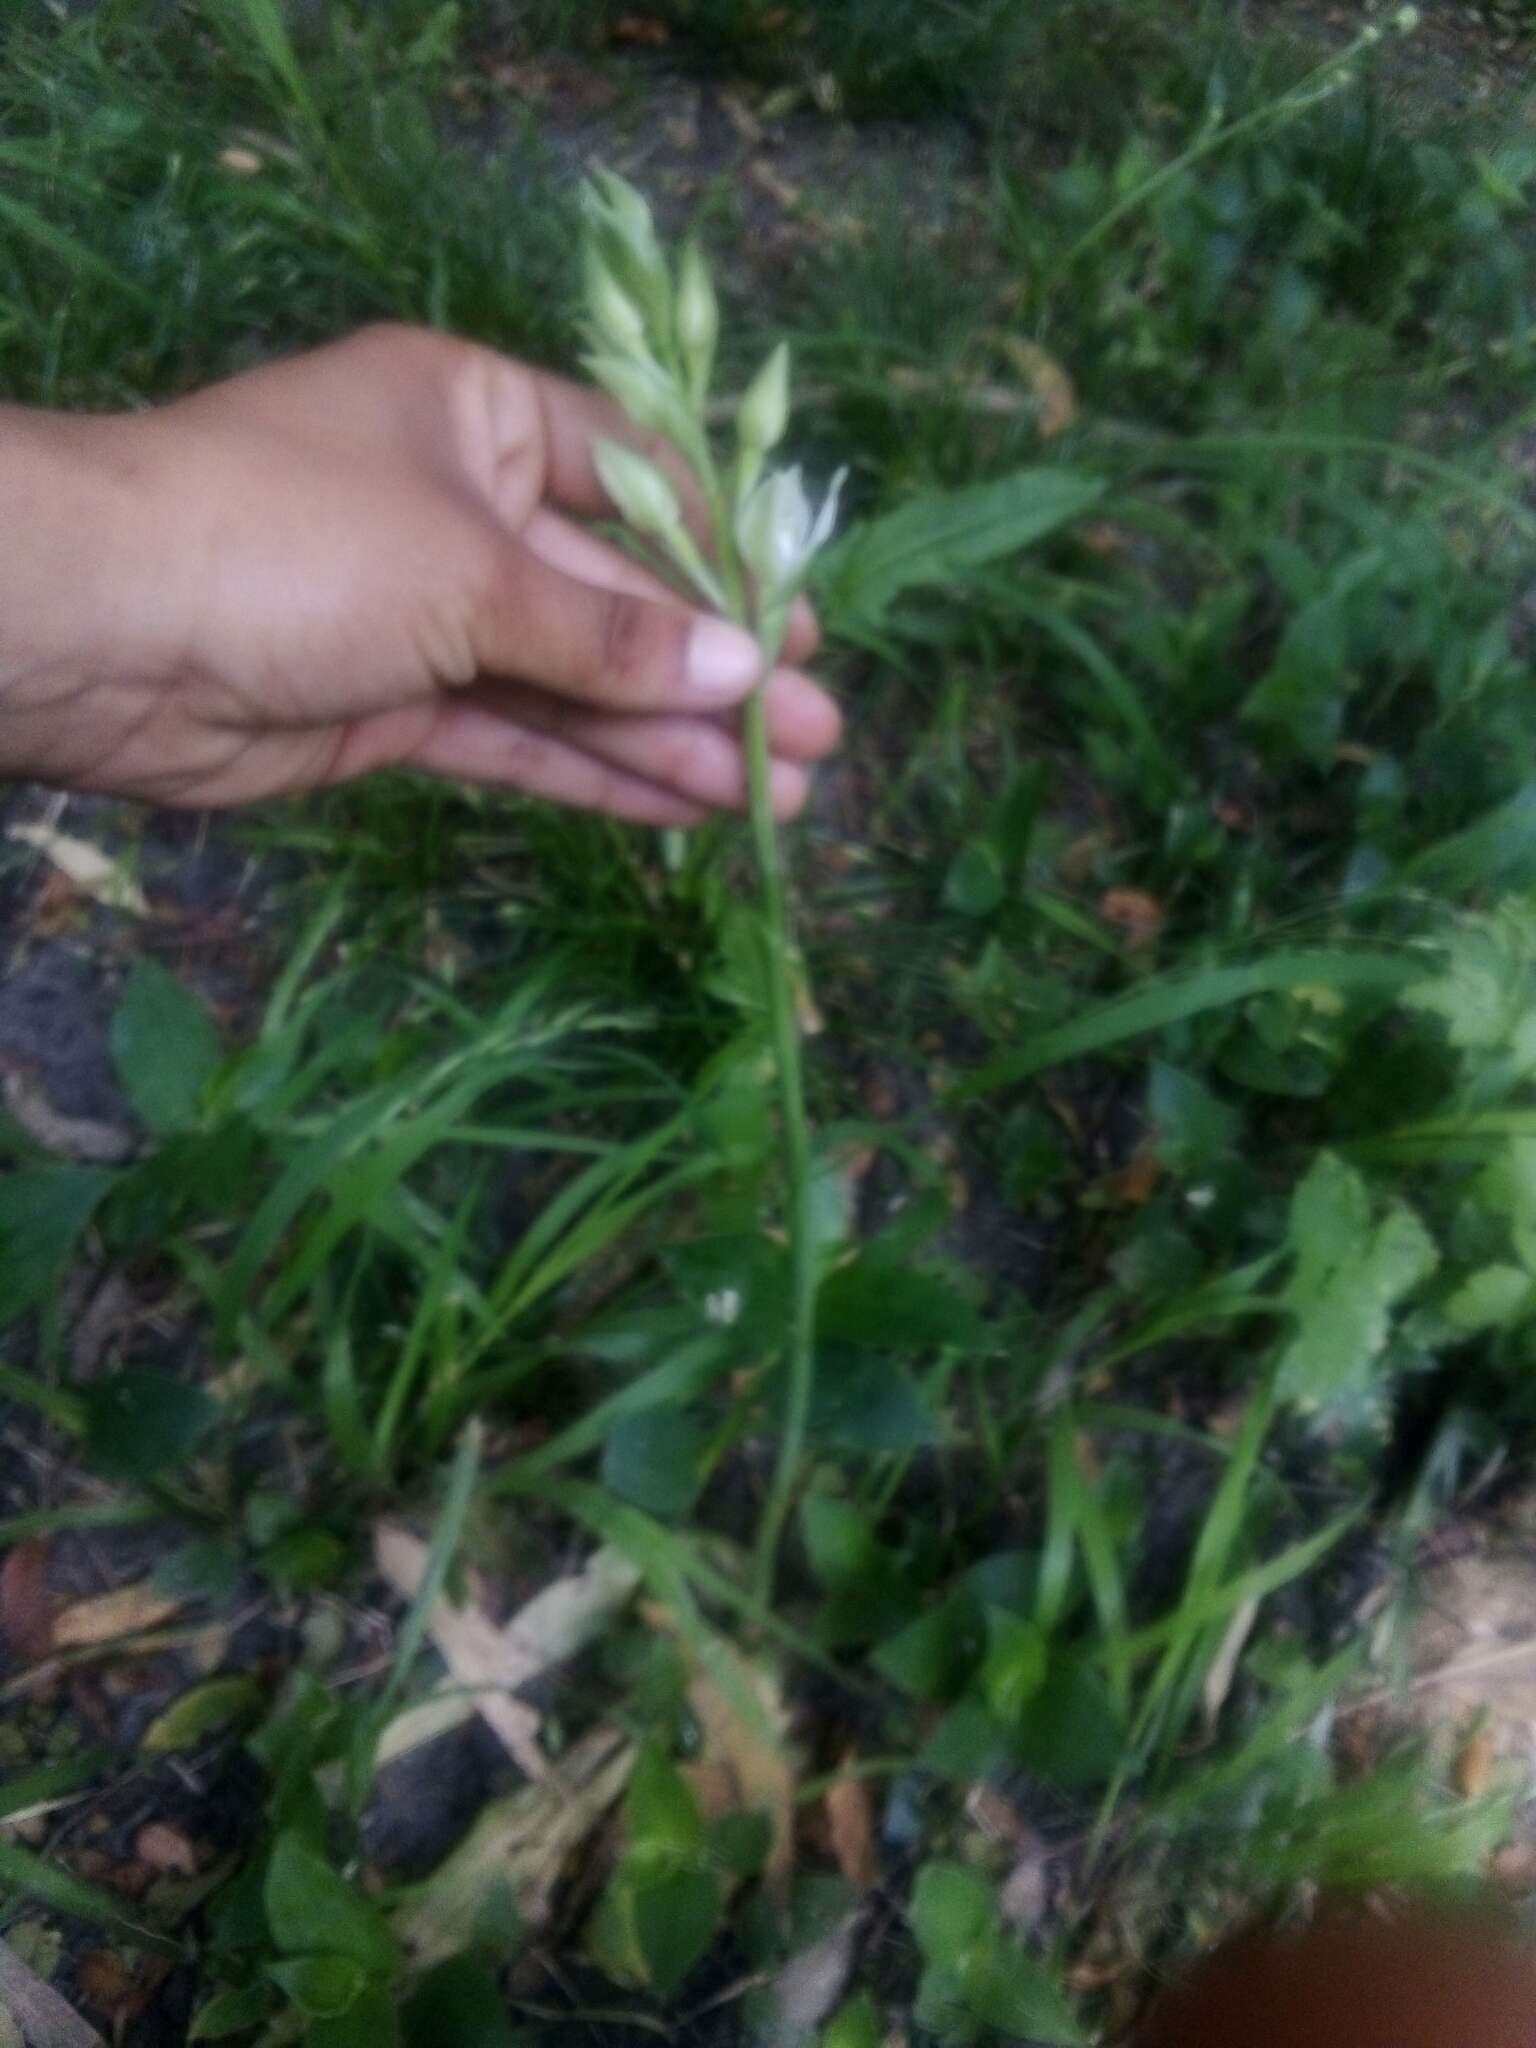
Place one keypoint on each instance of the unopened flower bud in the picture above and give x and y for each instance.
(644, 498)
(614, 313)
(626, 235)
(621, 207)
(698, 314)
(644, 389)
(763, 413)
(1406, 20)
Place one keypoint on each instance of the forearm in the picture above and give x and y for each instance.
(78, 520)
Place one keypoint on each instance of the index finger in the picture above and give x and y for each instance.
(572, 417)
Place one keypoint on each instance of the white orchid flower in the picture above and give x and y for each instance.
(777, 531)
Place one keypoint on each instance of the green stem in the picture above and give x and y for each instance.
(795, 1133)
(1218, 135)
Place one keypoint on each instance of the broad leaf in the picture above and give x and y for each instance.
(1018, 1656)
(933, 1655)
(938, 539)
(1004, 1988)
(1193, 1127)
(838, 1538)
(889, 1304)
(458, 2002)
(312, 1910)
(1070, 1731)
(43, 1210)
(322, 1987)
(373, 2022)
(854, 2025)
(675, 1915)
(142, 1424)
(164, 1047)
(661, 1811)
(1485, 988)
(232, 2012)
(204, 1568)
(952, 1907)
(656, 1460)
(975, 883)
(303, 1557)
(968, 1745)
(1303, 695)
(1490, 1299)
(1351, 1272)
(739, 1843)
(863, 1401)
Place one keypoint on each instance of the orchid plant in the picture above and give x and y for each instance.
(653, 331)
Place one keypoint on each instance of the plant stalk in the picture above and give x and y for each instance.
(779, 977)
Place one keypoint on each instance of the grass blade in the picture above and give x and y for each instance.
(1175, 999)
(29, 1876)
(688, 1372)
(84, 264)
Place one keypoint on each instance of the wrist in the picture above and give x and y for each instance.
(77, 632)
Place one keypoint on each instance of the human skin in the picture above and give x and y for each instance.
(371, 555)
(1409, 1979)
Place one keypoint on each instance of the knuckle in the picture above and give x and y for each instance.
(624, 637)
(525, 758)
(683, 760)
(382, 335)
(402, 345)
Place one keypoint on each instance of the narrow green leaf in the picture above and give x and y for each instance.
(1170, 1001)
(23, 1872)
(48, 1782)
(691, 1368)
(206, 1710)
(83, 264)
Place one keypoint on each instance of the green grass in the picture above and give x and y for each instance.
(1173, 926)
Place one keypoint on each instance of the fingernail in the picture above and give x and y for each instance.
(723, 661)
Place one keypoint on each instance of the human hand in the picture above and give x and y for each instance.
(361, 558)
